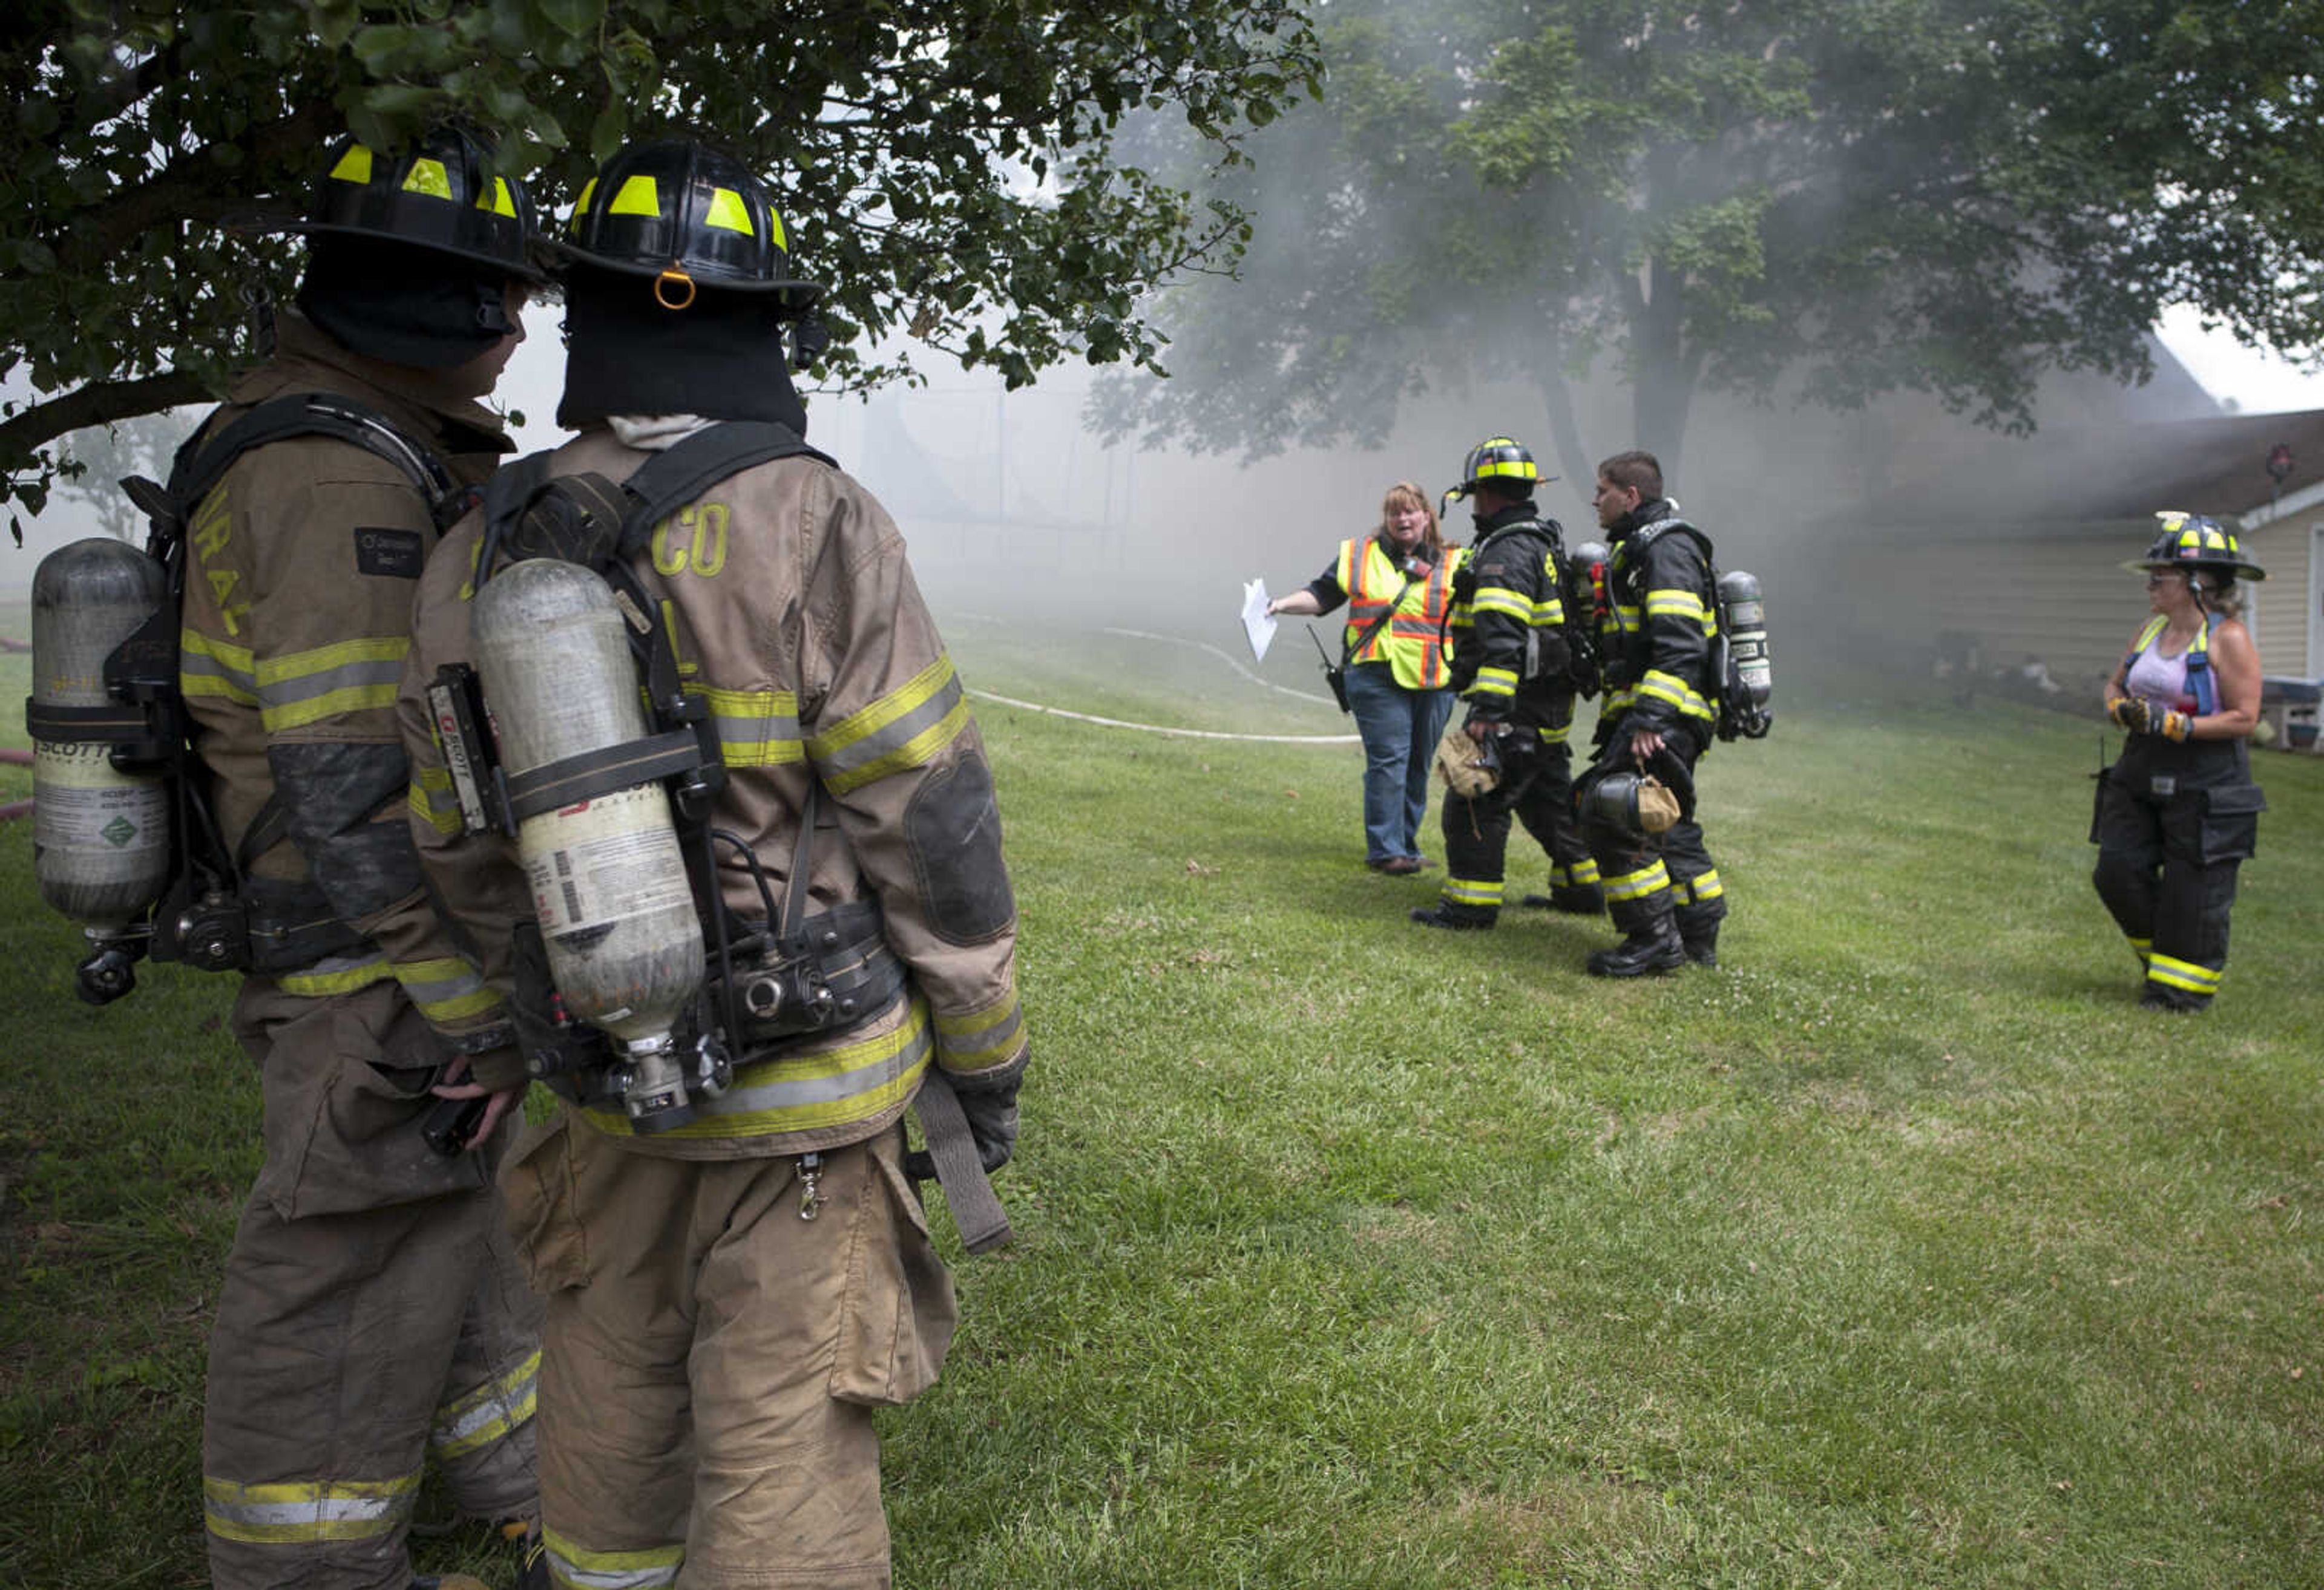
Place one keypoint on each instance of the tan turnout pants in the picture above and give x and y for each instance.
(373, 1313)
(711, 1359)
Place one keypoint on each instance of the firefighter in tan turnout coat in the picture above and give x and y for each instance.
(373, 1312)
(732, 1296)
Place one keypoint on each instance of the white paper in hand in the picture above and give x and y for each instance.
(1257, 623)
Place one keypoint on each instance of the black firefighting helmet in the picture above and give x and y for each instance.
(2196, 542)
(438, 194)
(1497, 462)
(687, 217)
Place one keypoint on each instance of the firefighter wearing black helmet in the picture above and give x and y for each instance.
(2177, 813)
(1512, 667)
(373, 1315)
(732, 1296)
(1658, 716)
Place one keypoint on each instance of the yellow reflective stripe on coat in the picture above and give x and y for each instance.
(308, 686)
(446, 988)
(1500, 599)
(491, 1412)
(431, 799)
(1638, 885)
(1682, 604)
(208, 667)
(299, 1512)
(576, 1568)
(1669, 687)
(903, 728)
(2174, 973)
(803, 1092)
(336, 974)
(1557, 736)
(1495, 681)
(756, 728)
(981, 1039)
(1549, 612)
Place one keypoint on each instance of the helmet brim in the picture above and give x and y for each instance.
(260, 225)
(2242, 569)
(794, 295)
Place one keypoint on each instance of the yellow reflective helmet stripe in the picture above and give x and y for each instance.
(355, 166)
(728, 211)
(639, 196)
(429, 177)
(498, 199)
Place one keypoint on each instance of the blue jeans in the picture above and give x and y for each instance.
(1399, 728)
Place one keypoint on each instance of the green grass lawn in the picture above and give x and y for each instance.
(1901, 1250)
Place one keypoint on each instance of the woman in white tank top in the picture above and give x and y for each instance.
(2178, 813)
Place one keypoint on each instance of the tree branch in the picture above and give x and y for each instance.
(99, 402)
(185, 188)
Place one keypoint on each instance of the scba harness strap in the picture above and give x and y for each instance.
(1739, 717)
(213, 915)
(804, 974)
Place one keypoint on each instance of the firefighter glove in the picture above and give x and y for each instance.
(2141, 716)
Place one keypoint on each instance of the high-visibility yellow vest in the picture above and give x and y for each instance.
(1408, 641)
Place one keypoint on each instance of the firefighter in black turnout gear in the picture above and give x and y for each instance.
(1512, 667)
(1661, 615)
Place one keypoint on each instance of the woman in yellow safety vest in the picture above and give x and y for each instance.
(1398, 584)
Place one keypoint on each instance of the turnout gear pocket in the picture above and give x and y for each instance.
(541, 1194)
(2230, 826)
(346, 1090)
(896, 1318)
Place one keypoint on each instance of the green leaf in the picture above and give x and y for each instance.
(578, 18)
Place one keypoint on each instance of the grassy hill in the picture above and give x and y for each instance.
(1900, 1251)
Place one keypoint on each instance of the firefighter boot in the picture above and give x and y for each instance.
(1701, 944)
(1452, 918)
(1653, 945)
(447, 1582)
(1575, 899)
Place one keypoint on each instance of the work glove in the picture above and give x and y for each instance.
(991, 1114)
(2141, 716)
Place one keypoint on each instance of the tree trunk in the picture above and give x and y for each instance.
(1557, 398)
(1664, 373)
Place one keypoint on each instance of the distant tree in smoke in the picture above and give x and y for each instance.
(947, 164)
(1830, 198)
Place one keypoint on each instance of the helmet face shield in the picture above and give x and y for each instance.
(438, 194)
(688, 216)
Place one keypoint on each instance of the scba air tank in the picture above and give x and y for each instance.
(101, 835)
(1746, 615)
(608, 881)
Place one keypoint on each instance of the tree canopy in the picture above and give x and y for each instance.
(1827, 199)
(946, 166)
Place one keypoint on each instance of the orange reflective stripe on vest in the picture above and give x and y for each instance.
(1408, 640)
